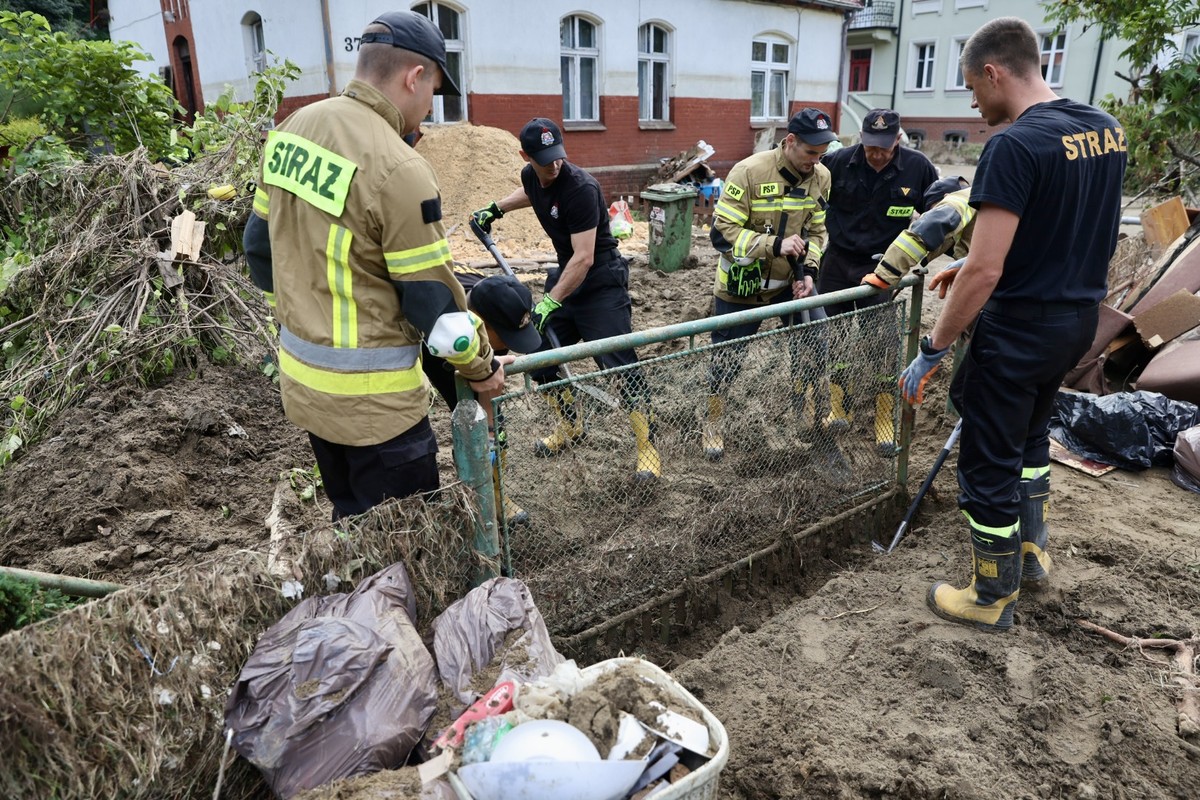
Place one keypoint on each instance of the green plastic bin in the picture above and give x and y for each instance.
(670, 227)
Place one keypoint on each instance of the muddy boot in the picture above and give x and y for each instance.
(649, 466)
(569, 430)
(803, 406)
(989, 600)
(710, 432)
(837, 421)
(1035, 500)
(885, 424)
(507, 508)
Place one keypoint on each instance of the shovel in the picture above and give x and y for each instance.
(912, 509)
(599, 394)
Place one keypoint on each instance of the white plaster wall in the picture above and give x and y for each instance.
(140, 21)
(512, 46)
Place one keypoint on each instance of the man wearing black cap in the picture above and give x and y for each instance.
(769, 229)
(505, 305)
(352, 216)
(587, 296)
(877, 187)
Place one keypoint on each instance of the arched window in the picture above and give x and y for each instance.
(254, 42)
(654, 72)
(449, 22)
(580, 67)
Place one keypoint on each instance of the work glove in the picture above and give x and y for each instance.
(871, 279)
(918, 373)
(484, 217)
(944, 280)
(542, 311)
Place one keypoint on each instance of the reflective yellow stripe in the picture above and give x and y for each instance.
(814, 249)
(1033, 473)
(781, 204)
(909, 244)
(406, 262)
(472, 352)
(350, 384)
(312, 173)
(743, 243)
(731, 213)
(262, 204)
(1004, 532)
(341, 287)
(818, 217)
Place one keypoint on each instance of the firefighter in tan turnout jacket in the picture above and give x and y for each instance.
(769, 229)
(347, 237)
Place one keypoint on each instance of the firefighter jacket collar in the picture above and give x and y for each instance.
(371, 97)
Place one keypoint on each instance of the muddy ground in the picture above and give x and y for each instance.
(854, 691)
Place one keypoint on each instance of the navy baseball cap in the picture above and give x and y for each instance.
(542, 141)
(880, 127)
(415, 32)
(504, 303)
(812, 126)
(942, 187)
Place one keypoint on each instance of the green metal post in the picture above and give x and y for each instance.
(907, 412)
(472, 461)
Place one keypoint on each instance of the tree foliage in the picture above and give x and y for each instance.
(1160, 113)
(86, 92)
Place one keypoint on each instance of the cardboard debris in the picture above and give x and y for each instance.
(1174, 372)
(186, 236)
(1176, 315)
(1064, 456)
(1164, 223)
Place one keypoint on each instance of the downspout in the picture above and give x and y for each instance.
(330, 73)
(841, 85)
(1096, 71)
(896, 65)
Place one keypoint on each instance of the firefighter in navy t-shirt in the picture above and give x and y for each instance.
(587, 296)
(1048, 194)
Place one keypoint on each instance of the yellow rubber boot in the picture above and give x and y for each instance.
(506, 507)
(837, 420)
(885, 425)
(802, 403)
(988, 601)
(649, 465)
(569, 430)
(710, 432)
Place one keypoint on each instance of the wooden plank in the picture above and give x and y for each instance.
(1164, 223)
(1064, 456)
(186, 236)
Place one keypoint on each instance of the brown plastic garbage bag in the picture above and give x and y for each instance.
(1186, 472)
(340, 686)
(469, 634)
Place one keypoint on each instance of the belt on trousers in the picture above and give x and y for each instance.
(1030, 310)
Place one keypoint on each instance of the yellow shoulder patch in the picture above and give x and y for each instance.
(733, 190)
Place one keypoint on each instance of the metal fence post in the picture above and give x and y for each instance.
(472, 462)
(908, 413)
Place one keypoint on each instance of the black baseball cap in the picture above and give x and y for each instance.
(942, 187)
(542, 141)
(880, 127)
(812, 126)
(504, 303)
(415, 32)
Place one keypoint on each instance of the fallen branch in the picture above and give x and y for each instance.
(851, 613)
(1184, 655)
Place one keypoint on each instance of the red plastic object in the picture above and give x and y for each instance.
(497, 701)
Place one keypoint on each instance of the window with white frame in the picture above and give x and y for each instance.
(926, 7)
(770, 68)
(923, 58)
(1191, 44)
(970, 3)
(654, 72)
(579, 64)
(1054, 56)
(954, 78)
(449, 22)
(255, 42)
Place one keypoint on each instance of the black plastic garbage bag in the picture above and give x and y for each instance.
(1130, 430)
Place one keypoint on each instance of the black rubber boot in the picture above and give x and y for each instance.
(989, 600)
(1035, 500)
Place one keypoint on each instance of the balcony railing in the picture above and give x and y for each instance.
(876, 14)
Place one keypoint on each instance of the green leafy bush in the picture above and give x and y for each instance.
(23, 603)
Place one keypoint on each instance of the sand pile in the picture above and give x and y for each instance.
(475, 165)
